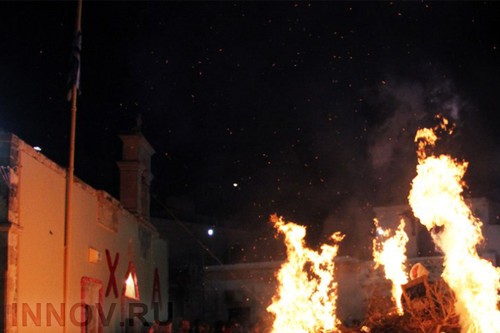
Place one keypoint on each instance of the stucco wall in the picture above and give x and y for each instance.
(99, 224)
(41, 240)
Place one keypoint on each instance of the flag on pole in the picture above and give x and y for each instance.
(74, 64)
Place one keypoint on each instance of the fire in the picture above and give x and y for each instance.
(307, 294)
(390, 252)
(130, 286)
(436, 199)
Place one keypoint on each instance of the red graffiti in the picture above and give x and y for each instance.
(112, 277)
(156, 297)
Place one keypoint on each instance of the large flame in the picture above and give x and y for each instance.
(436, 199)
(390, 252)
(307, 294)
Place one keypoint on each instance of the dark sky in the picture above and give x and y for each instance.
(309, 107)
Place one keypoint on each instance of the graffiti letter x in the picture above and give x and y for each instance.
(112, 278)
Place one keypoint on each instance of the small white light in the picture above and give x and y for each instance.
(235, 184)
(37, 148)
(210, 232)
(380, 231)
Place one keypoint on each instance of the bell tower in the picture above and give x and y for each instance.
(135, 174)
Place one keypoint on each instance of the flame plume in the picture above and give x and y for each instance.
(436, 199)
(307, 294)
(390, 252)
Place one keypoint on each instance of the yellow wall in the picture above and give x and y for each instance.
(41, 195)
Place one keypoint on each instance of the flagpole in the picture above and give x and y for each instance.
(69, 179)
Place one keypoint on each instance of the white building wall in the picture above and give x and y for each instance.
(482, 208)
(41, 241)
(99, 224)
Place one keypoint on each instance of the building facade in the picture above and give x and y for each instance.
(117, 265)
(243, 291)
(420, 243)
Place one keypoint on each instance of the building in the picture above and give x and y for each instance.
(420, 243)
(193, 246)
(117, 263)
(243, 291)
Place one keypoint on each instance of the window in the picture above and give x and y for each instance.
(91, 290)
(130, 287)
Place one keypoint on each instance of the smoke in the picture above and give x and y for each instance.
(397, 108)
(401, 107)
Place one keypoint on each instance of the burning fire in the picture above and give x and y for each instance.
(130, 286)
(390, 252)
(436, 199)
(307, 295)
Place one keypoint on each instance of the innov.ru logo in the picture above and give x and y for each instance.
(79, 314)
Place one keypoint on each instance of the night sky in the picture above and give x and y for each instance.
(305, 109)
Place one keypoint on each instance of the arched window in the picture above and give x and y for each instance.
(130, 287)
